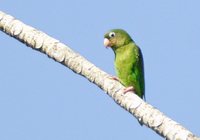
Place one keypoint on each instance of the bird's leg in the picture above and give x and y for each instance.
(114, 78)
(127, 89)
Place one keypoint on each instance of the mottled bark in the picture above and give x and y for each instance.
(144, 112)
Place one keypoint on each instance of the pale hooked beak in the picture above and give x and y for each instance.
(106, 42)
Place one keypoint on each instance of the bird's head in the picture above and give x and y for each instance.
(116, 38)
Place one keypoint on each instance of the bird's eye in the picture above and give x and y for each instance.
(111, 34)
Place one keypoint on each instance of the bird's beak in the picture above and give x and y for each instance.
(106, 42)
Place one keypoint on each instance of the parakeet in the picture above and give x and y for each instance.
(128, 61)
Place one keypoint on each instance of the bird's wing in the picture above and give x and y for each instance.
(139, 73)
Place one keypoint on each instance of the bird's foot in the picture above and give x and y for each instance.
(127, 89)
(114, 78)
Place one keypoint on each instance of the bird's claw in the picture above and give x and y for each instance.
(127, 89)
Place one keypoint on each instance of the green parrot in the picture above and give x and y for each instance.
(128, 61)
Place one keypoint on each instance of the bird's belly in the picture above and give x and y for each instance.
(126, 76)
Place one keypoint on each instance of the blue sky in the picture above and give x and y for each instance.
(41, 99)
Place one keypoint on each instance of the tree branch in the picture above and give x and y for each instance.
(61, 53)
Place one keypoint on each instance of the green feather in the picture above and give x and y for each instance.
(128, 60)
